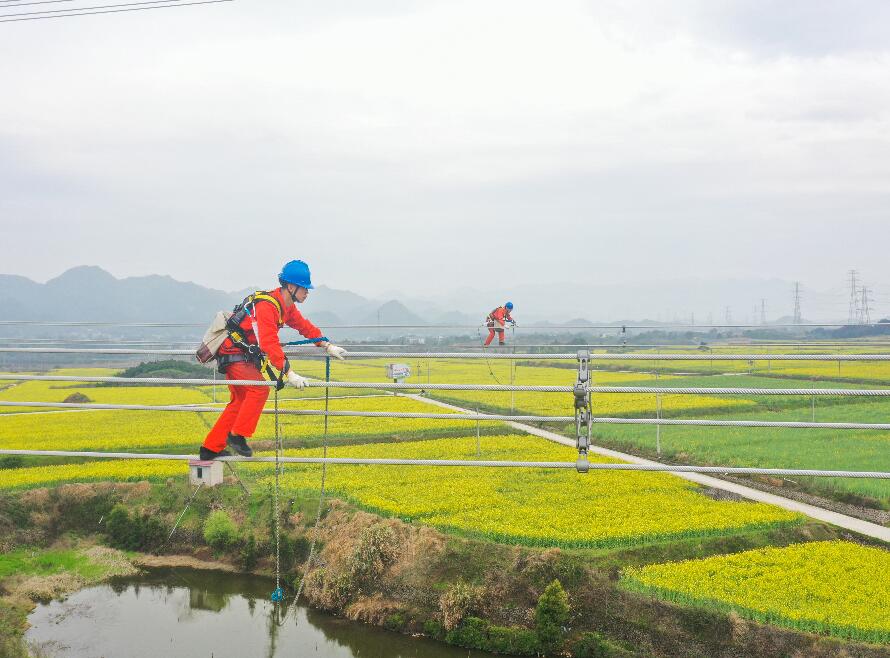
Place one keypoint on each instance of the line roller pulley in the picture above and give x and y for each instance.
(583, 413)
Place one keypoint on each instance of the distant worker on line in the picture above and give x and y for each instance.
(496, 321)
(252, 348)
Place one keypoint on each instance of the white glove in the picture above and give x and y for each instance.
(334, 351)
(295, 380)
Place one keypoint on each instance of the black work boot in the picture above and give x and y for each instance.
(239, 445)
(207, 454)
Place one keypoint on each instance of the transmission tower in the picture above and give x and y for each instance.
(853, 314)
(728, 315)
(762, 311)
(864, 311)
(797, 319)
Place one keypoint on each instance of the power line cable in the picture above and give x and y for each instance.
(4, 19)
(41, 2)
(125, 4)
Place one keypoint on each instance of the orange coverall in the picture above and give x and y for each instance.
(243, 411)
(497, 317)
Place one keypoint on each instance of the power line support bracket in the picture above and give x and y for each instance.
(583, 412)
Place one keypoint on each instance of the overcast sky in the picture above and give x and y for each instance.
(422, 146)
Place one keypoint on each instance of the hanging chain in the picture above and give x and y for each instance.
(277, 595)
(324, 470)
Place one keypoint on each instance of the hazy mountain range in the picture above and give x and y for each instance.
(89, 293)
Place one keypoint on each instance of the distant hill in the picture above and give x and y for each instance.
(90, 294)
(392, 312)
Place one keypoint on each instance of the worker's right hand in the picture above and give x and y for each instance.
(295, 380)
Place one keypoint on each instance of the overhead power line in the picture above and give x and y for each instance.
(40, 2)
(538, 327)
(125, 4)
(102, 9)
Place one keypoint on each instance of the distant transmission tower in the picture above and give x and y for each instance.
(797, 319)
(864, 311)
(853, 314)
(762, 311)
(728, 315)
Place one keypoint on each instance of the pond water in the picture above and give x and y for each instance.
(192, 614)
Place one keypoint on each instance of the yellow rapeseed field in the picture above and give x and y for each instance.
(834, 587)
(101, 430)
(42, 391)
(112, 470)
(129, 430)
(498, 372)
(529, 506)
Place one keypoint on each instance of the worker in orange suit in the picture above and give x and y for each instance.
(252, 348)
(496, 321)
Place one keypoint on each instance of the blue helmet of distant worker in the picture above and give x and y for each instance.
(509, 306)
(297, 273)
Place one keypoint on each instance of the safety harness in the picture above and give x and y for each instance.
(252, 352)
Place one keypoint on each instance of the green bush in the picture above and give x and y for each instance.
(591, 645)
(471, 634)
(247, 556)
(433, 628)
(11, 462)
(169, 368)
(551, 617)
(79, 509)
(220, 531)
(512, 641)
(294, 551)
(133, 532)
(395, 622)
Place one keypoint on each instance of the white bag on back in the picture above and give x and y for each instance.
(216, 333)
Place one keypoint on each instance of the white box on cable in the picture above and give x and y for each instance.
(396, 371)
(206, 472)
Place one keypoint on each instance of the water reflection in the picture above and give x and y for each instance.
(180, 612)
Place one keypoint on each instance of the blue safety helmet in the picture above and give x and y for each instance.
(297, 273)
(509, 306)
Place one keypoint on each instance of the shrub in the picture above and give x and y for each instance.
(168, 368)
(133, 532)
(294, 551)
(374, 551)
(591, 645)
(551, 616)
(220, 531)
(433, 628)
(395, 622)
(247, 556)
(471, 634)
(459, 601)
(512, 641)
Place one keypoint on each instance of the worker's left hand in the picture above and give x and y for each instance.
(334, 351)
